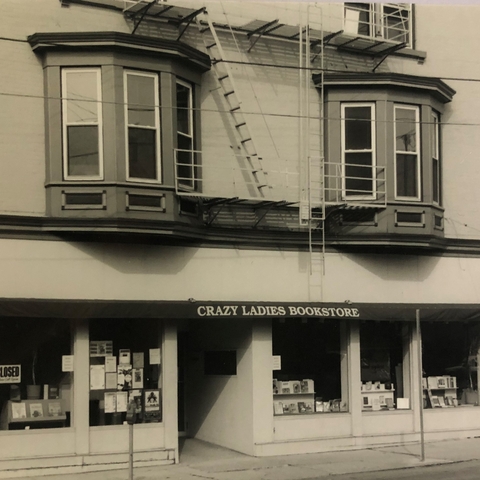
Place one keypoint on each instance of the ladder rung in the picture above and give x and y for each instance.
(204, 29)
(238, 125)
(226, 94)
(246, 140)
(223, 77)
(235, 109)
(211, 45)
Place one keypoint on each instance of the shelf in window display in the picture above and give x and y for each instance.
(293, 393)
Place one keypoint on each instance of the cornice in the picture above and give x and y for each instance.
(434, 86)
(177, 233)
(80, 41)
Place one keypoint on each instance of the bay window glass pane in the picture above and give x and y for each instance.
(385, 367)
(407, 179)
(81, 97)
(141, 100)
(310, 378)
(406, 130)
(125, 366)
(183, 109)
(435, 181)
(83, 152)
(358, 128)
(142, 158)
(34, 392)
(358, 173)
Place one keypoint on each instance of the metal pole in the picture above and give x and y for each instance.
(130, 452)
(420, 381)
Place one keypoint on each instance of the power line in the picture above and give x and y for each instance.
(274, 115)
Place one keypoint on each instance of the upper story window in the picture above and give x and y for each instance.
(185, 137)
(407, 153)
(388, 21)
(142, 123)
(358, 150)
(82, 124)
(436, 178)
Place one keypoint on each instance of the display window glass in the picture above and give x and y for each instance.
(125, 369)
(385, 365)
(310, 373)
(449, 361)
(35, 389)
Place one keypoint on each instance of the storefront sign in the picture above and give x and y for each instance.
(10, 373)
(275, 310)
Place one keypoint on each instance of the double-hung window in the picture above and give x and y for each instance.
(142, 120)
(434, 137)
(358, 150)
(82, 124)
(407, 153)
(185, 138)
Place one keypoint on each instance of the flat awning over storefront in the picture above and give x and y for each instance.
(196, 309)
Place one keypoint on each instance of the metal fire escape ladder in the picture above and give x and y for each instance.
(245, 147)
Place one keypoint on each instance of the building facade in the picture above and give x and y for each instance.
(250, 223)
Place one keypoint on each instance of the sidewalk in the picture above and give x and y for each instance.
(203, 460)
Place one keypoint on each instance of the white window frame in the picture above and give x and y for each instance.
(436, 156)
(127, 72)
(184, 186)
(372, 150)
(377, 20)
(416, 109)
(66, 124)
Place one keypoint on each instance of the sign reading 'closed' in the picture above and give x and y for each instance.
(10, 373)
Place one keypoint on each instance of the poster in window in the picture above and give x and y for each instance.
(136, 396)
(154, 354)
(97, 377)
(152, 400)
(101, 348)
(110, 364)
(110, 399)
(122, 399)
(138, 360)
(124, 377)
(124, 356)
(111, 381)
(138, 378)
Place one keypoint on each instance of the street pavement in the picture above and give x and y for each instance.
(200, 460)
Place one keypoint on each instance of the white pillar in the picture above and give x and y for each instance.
(169, 386)
(81, 387)
(355, 393)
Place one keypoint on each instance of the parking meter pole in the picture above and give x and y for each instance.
(130, 452)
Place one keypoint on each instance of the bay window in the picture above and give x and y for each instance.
(407, 156)
(82, 124)
(358, 153)
(142, 123)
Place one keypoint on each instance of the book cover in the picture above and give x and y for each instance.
(136, 397)
(122, 400)
(152, 400)
(302, 407)
(19, 410)
(54, 409)
(278, 408)
(293, 408)
(137, 378)
(110, 399)
(138, 360)
(111, 380)
(36, 410)
(53, 392)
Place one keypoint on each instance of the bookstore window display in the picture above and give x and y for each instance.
(384, 353)
(125, 367)
(307, 376)
(449, 360)
(35, 382)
